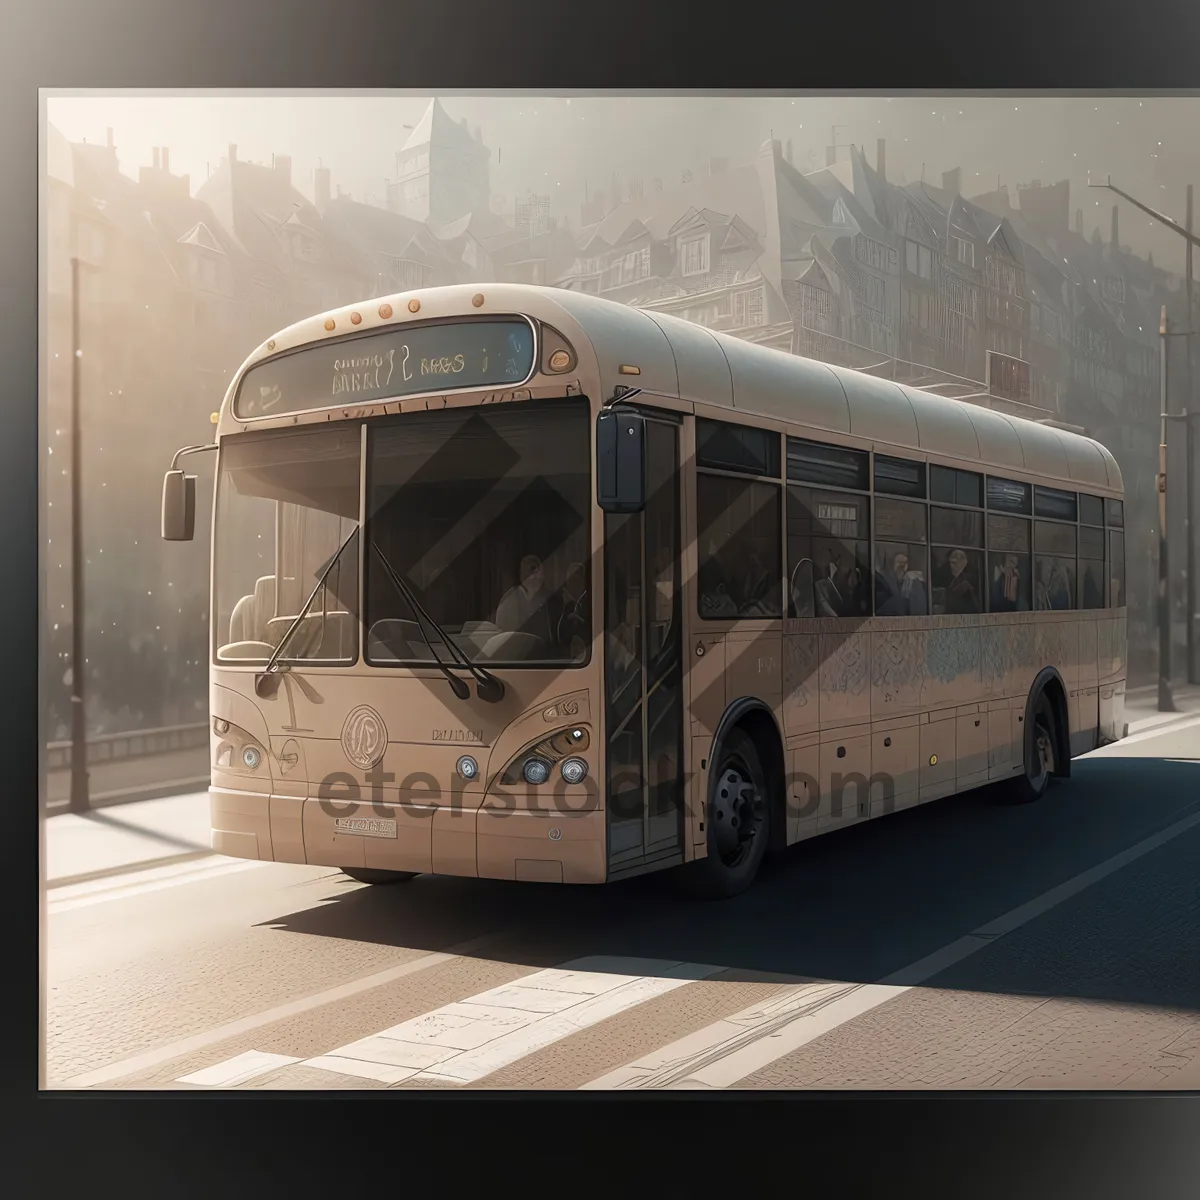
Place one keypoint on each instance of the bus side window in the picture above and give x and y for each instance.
(901, 558)
(738, 552)
(828, 537)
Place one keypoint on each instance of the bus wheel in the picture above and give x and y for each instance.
(368, 875)
(1040, 757)
(738, 819)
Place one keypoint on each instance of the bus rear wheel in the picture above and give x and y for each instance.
(1040, 756)
(738, 820)
(370, 875)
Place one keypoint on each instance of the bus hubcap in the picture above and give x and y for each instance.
(736, 814)
(1043, 752)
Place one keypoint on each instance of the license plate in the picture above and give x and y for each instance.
(366, 826)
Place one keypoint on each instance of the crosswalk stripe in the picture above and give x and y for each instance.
(239, 1069)
(463, 1042)
(679, 1060)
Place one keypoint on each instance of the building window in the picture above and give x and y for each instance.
(643, 260)
(962, 250)
(693, 255)
(918, 259)
(748, 308)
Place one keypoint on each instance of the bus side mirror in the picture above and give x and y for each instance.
(178, 507)
(621, 462)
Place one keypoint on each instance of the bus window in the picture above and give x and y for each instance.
(1049, 502)
(901, 563)
(1007, 495)
(739, 568)
(1116, 567)
(957, 537)
(1009, 570)
(956, 487)
(828, 554)
(899, 477)
(1091, 567)
(1055, 555)
(1091, 510)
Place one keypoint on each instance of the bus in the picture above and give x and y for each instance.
(517, 583)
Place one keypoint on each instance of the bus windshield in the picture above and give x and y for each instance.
(484, 513)
(286, 504)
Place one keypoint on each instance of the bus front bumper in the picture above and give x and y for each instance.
(515, 844)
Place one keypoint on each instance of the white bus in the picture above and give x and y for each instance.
(517, 583)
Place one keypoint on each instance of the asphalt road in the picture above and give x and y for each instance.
(961, 944)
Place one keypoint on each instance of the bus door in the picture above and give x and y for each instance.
(643, 666)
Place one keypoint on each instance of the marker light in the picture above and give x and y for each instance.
(537, 770)
(573, 770)
(468, 768)
(560, 360)
(250, 757)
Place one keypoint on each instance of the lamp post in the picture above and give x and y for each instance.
(79, 801)
(1190, 240)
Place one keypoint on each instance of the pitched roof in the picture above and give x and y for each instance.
(436, 128)
(201, 235)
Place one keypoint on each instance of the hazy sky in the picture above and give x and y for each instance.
(562, 144)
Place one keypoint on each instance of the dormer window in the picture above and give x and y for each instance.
(693, 255)
(962, 250)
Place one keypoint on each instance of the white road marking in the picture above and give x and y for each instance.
(152, 1058)
(461, 1043)
(101, 891)
(240, 1069)
(728, 1051)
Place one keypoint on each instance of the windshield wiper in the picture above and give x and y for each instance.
(272, 667)
(487, 686)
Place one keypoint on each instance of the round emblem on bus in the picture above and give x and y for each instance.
(364, 737)
(555, 835)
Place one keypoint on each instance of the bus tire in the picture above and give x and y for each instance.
(737, 820)
(1040, 757)
(370, 875)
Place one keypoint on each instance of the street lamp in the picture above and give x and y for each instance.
(79, 801)
(1190, 240)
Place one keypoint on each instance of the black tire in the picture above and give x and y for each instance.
(737, 821)
(1040, 755)
(370, 875)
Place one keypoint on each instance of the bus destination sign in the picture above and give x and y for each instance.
(389, 364)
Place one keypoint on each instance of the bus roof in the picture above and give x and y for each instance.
(683, 360)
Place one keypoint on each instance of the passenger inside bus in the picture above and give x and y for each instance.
(1009, 586)
(900, 591)
(962, 596)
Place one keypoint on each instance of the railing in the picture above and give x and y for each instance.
(140, 743)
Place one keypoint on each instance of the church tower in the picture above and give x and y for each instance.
(441, 172)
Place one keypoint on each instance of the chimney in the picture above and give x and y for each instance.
(155, 158)
(952, 181)
(881, 158)
(283, 164)
(321, 188)
(1116, 242)
(233, 152)
(166, 158)
(109, 136)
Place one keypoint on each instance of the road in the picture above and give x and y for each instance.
(961, 944)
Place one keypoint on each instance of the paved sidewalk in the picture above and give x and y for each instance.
(109, 841)
(1141, 706)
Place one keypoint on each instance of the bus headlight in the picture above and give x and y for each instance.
(574, 770)
(236, 749)
(537, 770)
(467, 767)
(251, 757)
(537, 759)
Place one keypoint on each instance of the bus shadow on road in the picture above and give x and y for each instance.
(861, 903)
